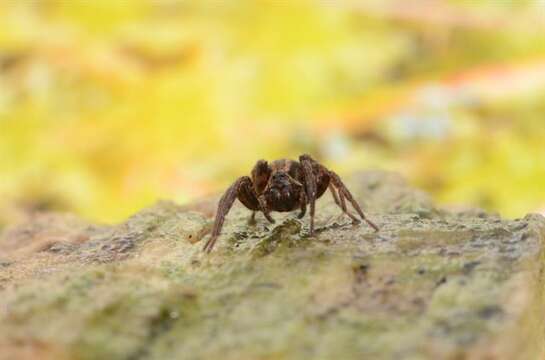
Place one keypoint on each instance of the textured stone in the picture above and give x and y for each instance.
(432, 284)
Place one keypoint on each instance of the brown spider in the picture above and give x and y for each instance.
(284, 185)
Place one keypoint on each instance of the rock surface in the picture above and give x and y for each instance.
(431, 284)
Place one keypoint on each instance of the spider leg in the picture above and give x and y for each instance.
(334, 194)
(240, 187)
(294, 182)
(260, 176)
(342, 204)
(251, 220)
(345, 193)
(303, 202)
(264, 208)
(310, 186)
(310, 170)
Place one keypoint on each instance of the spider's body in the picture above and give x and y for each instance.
(284, 185)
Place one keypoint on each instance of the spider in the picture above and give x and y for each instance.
(284, 185)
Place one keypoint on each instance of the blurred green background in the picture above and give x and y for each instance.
(107, 106)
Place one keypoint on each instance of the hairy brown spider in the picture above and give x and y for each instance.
(284, 185)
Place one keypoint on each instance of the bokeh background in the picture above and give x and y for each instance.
(107, 106)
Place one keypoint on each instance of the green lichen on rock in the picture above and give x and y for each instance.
(432, 284)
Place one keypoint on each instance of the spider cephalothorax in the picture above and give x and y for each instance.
(284, 185)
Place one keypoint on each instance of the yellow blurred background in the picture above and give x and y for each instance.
(107, 106)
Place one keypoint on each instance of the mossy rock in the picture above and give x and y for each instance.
(432, 284)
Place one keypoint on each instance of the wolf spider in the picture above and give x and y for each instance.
(284, 185)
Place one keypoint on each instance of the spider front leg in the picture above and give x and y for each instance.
(310, 186)
(260, 177)
(265, 208)
(303, 204)
(251, 220)
(243, 189)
